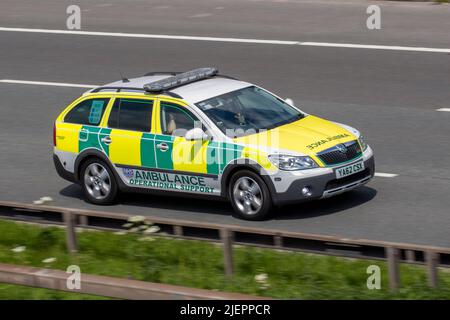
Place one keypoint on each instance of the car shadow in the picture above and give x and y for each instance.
(342, 202)
(177, 202)
(316, 208)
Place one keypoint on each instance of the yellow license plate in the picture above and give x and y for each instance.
(349, 170)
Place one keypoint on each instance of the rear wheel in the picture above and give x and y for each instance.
(98, 182)
(249, 195)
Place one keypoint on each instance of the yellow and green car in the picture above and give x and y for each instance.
(207, 135)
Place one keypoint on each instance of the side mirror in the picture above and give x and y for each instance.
(289, 101)
(196, 134)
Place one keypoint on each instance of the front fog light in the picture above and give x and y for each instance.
(306, 191)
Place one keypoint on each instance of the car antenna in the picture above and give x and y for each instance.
(123, 78)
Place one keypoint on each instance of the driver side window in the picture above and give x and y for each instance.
(176, 120)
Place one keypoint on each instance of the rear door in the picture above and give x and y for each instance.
(130, 140)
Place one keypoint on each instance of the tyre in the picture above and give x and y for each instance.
(249, 196)
(98, 182)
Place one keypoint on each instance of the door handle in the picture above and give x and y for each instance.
(106, 140)
(162, 146)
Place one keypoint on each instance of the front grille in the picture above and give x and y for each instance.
(337, 183)
(335, 156)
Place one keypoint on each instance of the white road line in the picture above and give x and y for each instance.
(235, 40)
(201, 15)
(385, 175)
(55, 84)
(443, 109)
(375, 47)
(151, 36)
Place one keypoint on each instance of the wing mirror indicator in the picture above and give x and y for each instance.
(196, 134)
(289, 101)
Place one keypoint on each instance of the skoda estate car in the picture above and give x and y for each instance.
(206, 134)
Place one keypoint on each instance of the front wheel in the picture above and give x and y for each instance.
(98, 182)
(249, 195)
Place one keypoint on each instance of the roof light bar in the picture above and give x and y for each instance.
(180, 79)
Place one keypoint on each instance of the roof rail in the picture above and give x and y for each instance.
(162, 73)
(119, 89)
(180, 79)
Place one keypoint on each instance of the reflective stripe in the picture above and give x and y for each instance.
(228, 153)
(164, 159)
(189, 155)
(148, 156)
(67, 136)
(125, 147)
(213, 158)
(90, 137)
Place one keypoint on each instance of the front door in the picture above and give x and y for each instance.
(173, 151)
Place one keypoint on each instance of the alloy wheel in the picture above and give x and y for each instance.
(97, 181)
(247, 195)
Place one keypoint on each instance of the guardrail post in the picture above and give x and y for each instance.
(393, 267)
(71, 238)
(178, 230)
(410, 255)
(84, 220)
(227, 242)
(432, 261)
(278, 241)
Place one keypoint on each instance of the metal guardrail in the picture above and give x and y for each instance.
(111, 287)
(229, 235)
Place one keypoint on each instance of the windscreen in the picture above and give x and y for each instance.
(248, 110)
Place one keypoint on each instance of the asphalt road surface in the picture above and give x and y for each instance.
(390, 95)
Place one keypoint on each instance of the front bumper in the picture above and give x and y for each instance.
(322, 184)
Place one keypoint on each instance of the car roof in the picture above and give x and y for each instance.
(193, 92)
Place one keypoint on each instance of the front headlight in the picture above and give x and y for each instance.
(291, 163)
(362, 142)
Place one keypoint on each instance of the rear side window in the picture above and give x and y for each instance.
(88, 112)
(131, 114)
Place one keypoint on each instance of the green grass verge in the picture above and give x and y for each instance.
(14, 292)
(199, 264)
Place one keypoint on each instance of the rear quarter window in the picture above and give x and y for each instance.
(87, 112)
